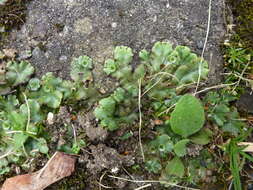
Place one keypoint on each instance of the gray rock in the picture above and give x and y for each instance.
(245, 102)
(93, 27)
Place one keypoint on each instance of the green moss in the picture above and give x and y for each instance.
(12, 15)
(243, 11)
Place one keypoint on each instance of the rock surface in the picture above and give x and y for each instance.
(58, 30)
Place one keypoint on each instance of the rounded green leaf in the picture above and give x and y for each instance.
(34, 108)
(162, 49)
(203, 137)
(34, 84)
(119, 95)
(81, 68)
(108, 105)
(52, 100)
(123, 54)
(110, 66)
(18, 73)
(144, 55)
(42, 145)
(175, 167)
(180, 147)
(139, 72)
(188, 116)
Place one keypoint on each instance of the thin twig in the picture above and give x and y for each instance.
(128, 173)
(140, 121)
(204, 47)
(165, 73)
(23, 146)
(152, 181)
(104, 186)
(241, 75)
(152, 86)
(10, 14)
(215, 87)
(28, 113)
(143, 187)
(74, 133)
(45, 167)
(100, 182)
(184, 85)
(153, 76)
(167, 110)
(230, 185)
(11, 132)
(6, 154)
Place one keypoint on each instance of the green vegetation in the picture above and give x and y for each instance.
(24, 106)
(243, 12)
(163, 73)
(238, 54)
(188, 116)
(190, 134)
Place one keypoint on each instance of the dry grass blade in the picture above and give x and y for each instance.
(140, 121)
(143, 187)
(204, 48)
(152, 181)
(248, 148)
(215, 87)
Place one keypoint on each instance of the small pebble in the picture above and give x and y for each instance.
(114, 24)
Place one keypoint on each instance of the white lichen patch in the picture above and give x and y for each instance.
(83, 26)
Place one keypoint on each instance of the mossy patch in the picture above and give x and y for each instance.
(12, 15)
(243, 11)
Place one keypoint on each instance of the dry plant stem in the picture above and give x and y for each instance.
(204, 47)
(23, 146)
(10, 14)
(154, 75)
(101, 185)
(152, 181)
(236, 75)
(241, 76)
(248, 148)
(185, 85)
(6, 154)
(74, 133)
(230, 185)
(28, 113)
(165, 73)
(152, 86)
(128, 173)
(143, 187)
(215, 87)
(43, 169)
(140, 121)
(167, 110)
(100, 182)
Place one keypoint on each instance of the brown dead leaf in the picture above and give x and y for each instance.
(59, 166)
